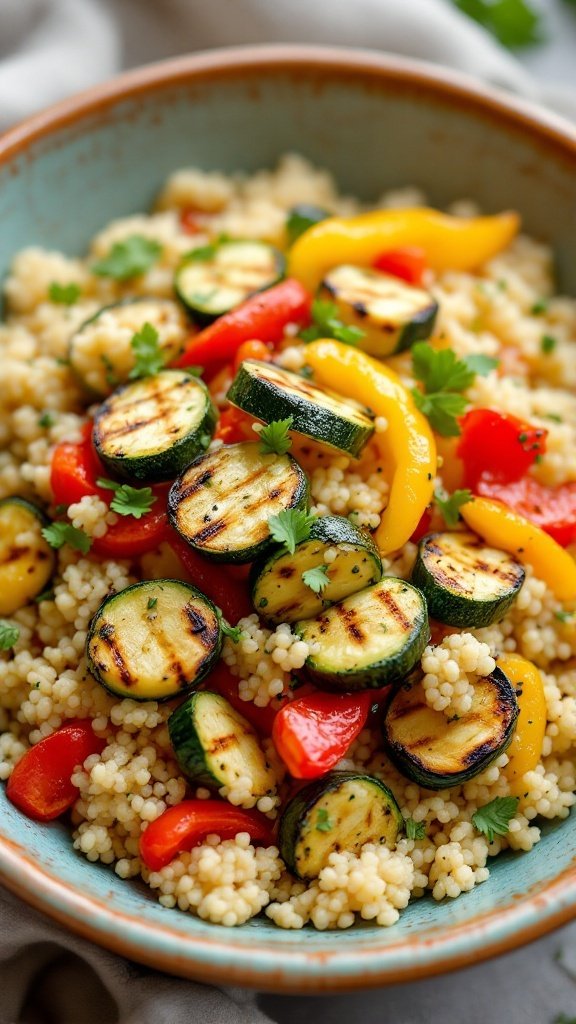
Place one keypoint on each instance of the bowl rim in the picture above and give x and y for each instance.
(217, 958)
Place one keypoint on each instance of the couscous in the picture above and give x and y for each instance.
(287, 517)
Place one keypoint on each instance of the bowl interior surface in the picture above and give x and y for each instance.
(375, 125)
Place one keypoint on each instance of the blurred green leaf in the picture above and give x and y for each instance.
(515, 23)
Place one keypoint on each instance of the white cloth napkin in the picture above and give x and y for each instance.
(49, 49)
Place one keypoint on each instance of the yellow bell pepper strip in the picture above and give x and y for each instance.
(407, 446)
(448, 243)
(505, 529)
(525, 750)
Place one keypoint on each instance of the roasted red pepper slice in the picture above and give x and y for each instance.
(130, 538)
(313, 733)
(263, 316)
(230, 594)
(74, 470)
(261, 719)
(553, 509)
(408, 263)
(235, 425)
(192, 220)
(181, 827)
(40, 784)
(497, 446)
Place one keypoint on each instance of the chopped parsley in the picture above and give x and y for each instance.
(234, 633)
(58, 534)
(46, 595)
(450, 505)
(127, 500)
(64, 294)
(129, 258)
(444, 378)
(563, 616)
(414, 829)
(316, 579)
(494, 818)
(514, 23)
(563, 1018)
(46, 420)
(290, 527)
(548, 344)
(150, 358)
(327, 324)
(9, 635)
(202, 254)
(540, 307)
(324, 822)
(152, 602)
(275, 437)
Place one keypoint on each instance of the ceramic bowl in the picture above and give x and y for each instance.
(376, 122)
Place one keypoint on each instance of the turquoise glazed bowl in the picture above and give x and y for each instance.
(376, 122)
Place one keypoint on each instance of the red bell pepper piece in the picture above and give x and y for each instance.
(181, 827)
(192, 220)
(130, 538)
(235, 425)
(313, 733)
(40, 784)
(74, 470)
(230, 594)
(497, 446)
(252, 350)
(553, 509)
(261, 719)
(407, 262)
(263, 316)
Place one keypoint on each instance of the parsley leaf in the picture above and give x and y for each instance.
(152, 602)
(58, 534)
(539, 307)
(563, 1018)
(46, 595)
(327, 324)
(548, 343)
(324, 822)
(46, 420)
(493, 819)
(513, 22)
(202, 254)
(274, 437)
(234, 633)
(129, 258)
(316, 578)
(290, 527)
(9, 635)
(450, 505)
(64, 294)
(444, 377)
(414, 829)
(302, 217)
(149, 356)
(127, 500)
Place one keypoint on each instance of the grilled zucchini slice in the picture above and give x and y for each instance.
(279, 592)
(222, 503)
(392, 314)
(369, 640)
(154, 640)
(270, 393)
(465, 583)
(100, 351)
(340, 812)
(437, 752)
(151, 429)
(214, 279)
(215, 746)
(26, 560)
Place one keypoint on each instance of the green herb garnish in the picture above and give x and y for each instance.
(58, 534)
(9, 635)
(514, 23)
(450, 505)
(234, 633)
(548, 344)
(316, 579)
(324, 822)
(414, 829)
(539, 307)
(127, 500)
(150, 358)
(64, 294)
(46, 420)
(290, 527)
(275, 437)
(327, 324)
(129, 258)
(445, 377)
(152, 602)
(494, 818)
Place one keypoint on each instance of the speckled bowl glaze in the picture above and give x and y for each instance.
(376, 122)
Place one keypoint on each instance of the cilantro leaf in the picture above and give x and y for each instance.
(234, 633)
(202, 254)
(149, 356)
(414, 829)
(46, 595)
(540, 307)
(445, 377)
(58, 534)
(46, 420)
(513, 22)
(290, 527)
(132, 256)
(9, 635)
(316, 579)
(548, 343)
(64, 294)
(151, 603)
(450, 505)
(442, 410)
(327, 324)
(274, 437)
(480, 365)
(493, 819)
(127, 500)
(324, 822)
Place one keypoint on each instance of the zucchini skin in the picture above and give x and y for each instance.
(328, 530)
(462, 609)
(472, 761)
(171, 456)
(200, 474)
(37, 564)
(269, 393)
(382, 671)
(297, 826)
(212, 642)
(203, 316)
